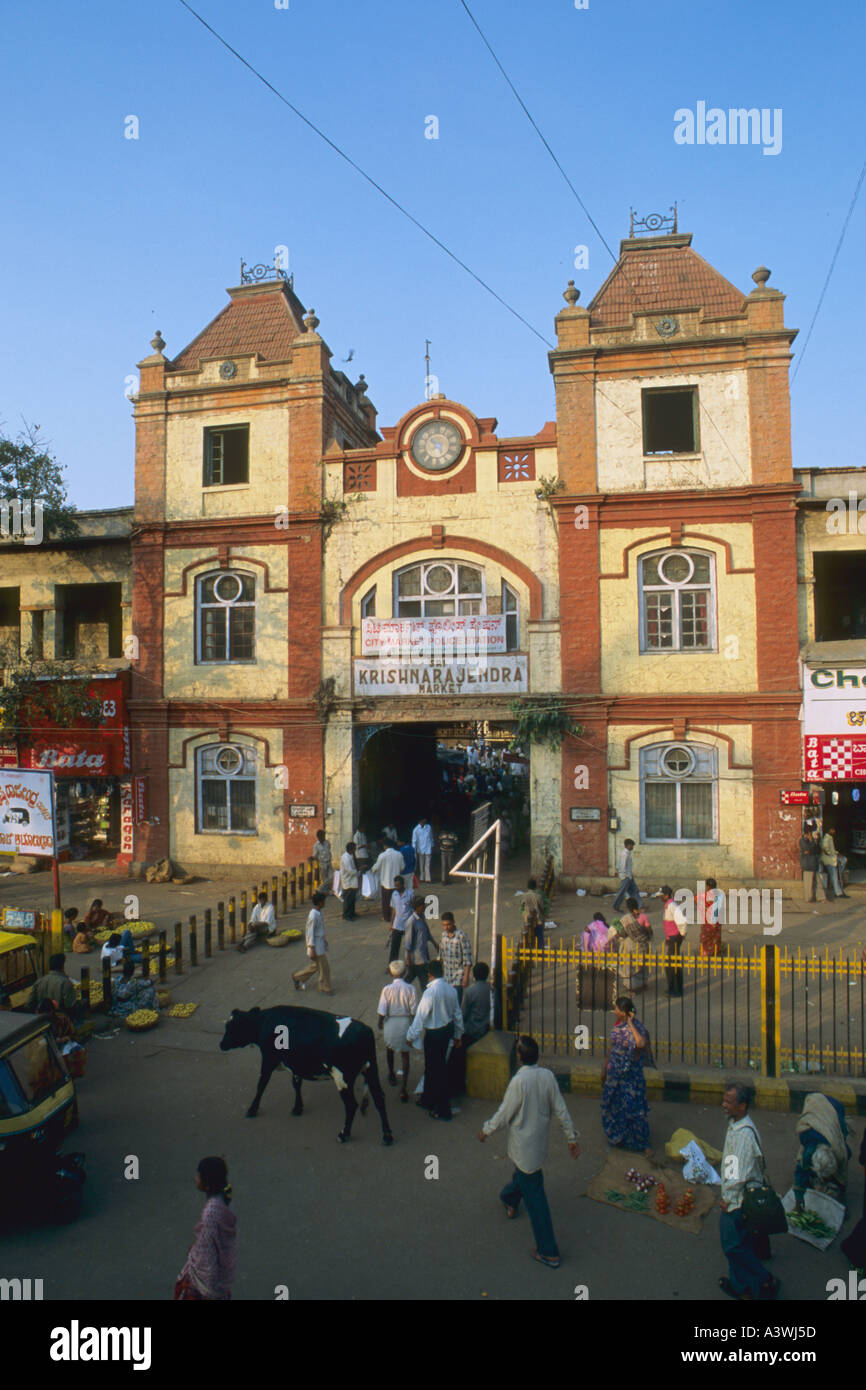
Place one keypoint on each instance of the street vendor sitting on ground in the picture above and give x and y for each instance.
(71, 924)
(96, 917)
(82, 942)
(131, 993)
(822, 1163)
(113, 951)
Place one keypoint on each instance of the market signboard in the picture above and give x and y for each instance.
(834, 710)
(27, 812)
(426, 639)
(503, 675)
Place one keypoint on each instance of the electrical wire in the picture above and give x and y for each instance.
(632, 288)
(364, 175)
(848, 217)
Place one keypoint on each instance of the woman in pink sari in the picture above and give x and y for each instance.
(210, 1264)
(596, 984)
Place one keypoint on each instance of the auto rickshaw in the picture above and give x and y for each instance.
(37, 1107)
(20, 966)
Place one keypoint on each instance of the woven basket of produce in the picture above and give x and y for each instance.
(284, 937)
(141, 1019)
(137, 928)
(182, 1010)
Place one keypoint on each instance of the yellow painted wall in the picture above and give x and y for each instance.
(189, 847)
(626, 669)
(269, 463)
(656, 864)
(263, 680)
(725, 455)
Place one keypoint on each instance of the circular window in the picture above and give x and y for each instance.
(439, 579)
(678, 761)
(229, 760)
(227, 588)
(676, 568)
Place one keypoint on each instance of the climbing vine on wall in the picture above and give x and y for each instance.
(542, 721)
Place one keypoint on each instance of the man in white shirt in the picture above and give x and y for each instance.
(322, 856)
(389, 834)
(402, 899)
(349, 882)
(422, 843)
(440, 1019)
(675, 927)
(741, 1163)
(387, 866)
(262, 923)
(532, 1098)
(397, 1004)
(627, 886)
(317, 950)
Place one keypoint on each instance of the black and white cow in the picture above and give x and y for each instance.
(310, 1044)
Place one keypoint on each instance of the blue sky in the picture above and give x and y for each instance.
(106, 239)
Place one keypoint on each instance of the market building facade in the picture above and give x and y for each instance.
(677, 542)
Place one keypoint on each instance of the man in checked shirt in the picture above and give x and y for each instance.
(455, 954)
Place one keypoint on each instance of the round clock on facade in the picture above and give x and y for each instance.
(228, 370)
(436, 445)
(667, 327)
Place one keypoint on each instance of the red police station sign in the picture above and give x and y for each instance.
(85, 750)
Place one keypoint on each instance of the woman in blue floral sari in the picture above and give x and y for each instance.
(624, 1108)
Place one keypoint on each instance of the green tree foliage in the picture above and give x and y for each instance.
(42, 695)
(29, 472)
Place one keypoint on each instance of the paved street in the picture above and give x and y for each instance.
(308, 1209)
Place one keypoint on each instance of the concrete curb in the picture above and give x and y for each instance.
(490, 1065)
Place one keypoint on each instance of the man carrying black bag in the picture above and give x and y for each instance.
(742, 1163)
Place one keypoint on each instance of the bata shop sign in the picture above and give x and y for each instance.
(496, 676)
(834, 724)
(85, 750)
(27, 812)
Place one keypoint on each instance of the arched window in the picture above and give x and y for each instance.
(679, 790)
(226, 789)
(439, 589)
(226, 617)
(678, 607)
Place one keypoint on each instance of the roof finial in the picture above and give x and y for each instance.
(361, 385)
(761, 276)
(311, 323)
(571, 295)
(158, 342)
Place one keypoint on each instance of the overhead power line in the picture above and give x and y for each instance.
(848, 217)
(364, 175)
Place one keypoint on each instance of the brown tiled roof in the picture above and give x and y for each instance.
(262, 321)
(654, 278)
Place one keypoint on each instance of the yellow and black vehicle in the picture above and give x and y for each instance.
(21, 964)
(37, 1107)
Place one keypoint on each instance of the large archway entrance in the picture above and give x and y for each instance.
(405, 770)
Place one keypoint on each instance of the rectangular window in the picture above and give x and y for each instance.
(697, 811)
(512, 618)
(226, 456)
(670, 421)
(661, 810)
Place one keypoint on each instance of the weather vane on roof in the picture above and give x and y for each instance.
(653, 223)
(252, 274)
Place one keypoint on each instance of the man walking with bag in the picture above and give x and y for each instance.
(742, 1162)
